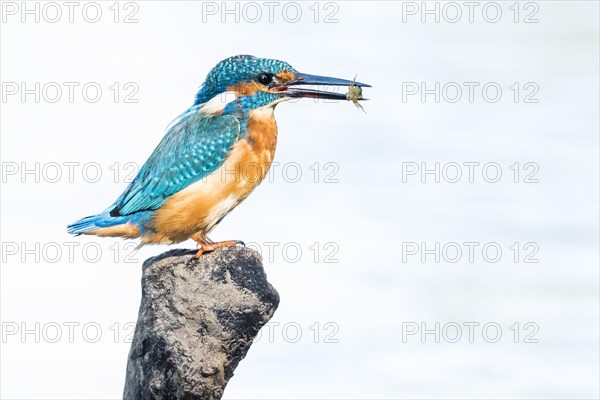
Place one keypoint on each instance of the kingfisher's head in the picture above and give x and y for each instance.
(252, 82)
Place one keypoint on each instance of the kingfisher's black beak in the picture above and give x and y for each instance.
(292, 89)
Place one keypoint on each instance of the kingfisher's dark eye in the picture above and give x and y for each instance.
(264, 78)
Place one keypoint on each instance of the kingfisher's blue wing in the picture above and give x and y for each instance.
(191, 149)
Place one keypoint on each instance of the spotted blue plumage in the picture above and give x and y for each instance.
(242, 68)
(192, 149)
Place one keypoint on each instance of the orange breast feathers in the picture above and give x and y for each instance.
(200, 206)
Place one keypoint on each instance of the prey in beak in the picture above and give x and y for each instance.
(294, 87)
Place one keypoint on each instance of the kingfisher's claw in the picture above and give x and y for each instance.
(207, 245)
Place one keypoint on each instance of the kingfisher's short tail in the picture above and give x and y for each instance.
(104, 224)
(83, 225)
(102, 220)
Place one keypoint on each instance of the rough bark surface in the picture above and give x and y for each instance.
(196, 322)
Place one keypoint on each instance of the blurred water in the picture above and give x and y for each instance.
(352, 313)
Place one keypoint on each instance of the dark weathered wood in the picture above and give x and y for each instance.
(196, 322)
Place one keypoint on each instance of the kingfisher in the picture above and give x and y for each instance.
(211, 157)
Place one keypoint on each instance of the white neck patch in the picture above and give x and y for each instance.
(217, 104)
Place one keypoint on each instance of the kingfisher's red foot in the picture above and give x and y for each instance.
(208, 245)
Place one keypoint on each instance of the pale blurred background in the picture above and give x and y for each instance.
(344, 321)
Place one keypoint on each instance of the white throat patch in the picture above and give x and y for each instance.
(217, 104)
